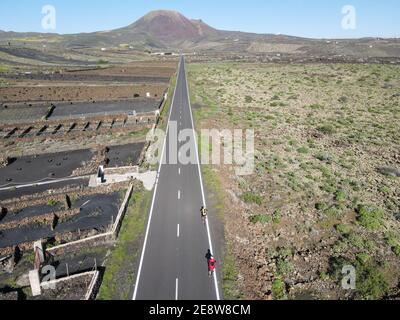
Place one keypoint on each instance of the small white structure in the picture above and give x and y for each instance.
(148, 95)
(100, 175)
(38, 249)
(34, 281)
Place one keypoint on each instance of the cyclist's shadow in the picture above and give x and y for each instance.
(208, 256)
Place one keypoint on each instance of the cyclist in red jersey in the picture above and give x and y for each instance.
(211, 266)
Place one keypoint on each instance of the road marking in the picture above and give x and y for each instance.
(178, 232)
(201, 183)
(179, 171)
(176, 289)
(179, 195)
(155, 193)
(85, 203)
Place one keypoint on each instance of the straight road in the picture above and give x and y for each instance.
(173, 264)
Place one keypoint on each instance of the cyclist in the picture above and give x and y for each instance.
(211, 266)
(203, 212)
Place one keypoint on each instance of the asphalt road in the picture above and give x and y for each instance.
(173, 264)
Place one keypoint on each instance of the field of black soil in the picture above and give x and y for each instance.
(81, 109)
(96, 212)
(47, 167)
(33, 169)
(10, 114)
(79, 262)
(18, 113)
(86, 78)
(124, 155)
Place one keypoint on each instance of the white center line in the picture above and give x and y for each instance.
(179, 171)
(201, 183)
(178, 231)
(176, 289)
(179, 195)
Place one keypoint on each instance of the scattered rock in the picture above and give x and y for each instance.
(235, 199)
(23, 280)
(9, 296)
(7, 264)
(4, 161)
(389, 171)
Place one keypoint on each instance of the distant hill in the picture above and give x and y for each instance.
(170, 30)
(170, 26)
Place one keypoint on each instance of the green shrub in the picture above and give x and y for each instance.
(356, 240)
(248, 99)
(370, 218)
(343, 99)
(343, 228)
(303, 150)
(276, 217)
(52, 202)
(250, 197)
(260, 218)
(363, 258)
(321, 206)
(279, 289)
(327, 129)
(385, 190)
(394, 242)
(371, 282)
(340, 196)
(335, 266)
(284, 267)
(3, 68)
(315, 107)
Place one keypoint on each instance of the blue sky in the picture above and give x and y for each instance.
(309, 18)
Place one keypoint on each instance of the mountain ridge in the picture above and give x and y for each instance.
(162, 30)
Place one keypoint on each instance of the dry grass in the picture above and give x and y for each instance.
(322, 133)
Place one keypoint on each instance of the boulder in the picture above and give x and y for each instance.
(23, 281)
(389, 171)
(4, 161)
(9, 296)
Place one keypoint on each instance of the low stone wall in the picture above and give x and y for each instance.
(92, 288)
(91, 242)
(59, 195)
(42, 219)
(100, 239)
(121, 213)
